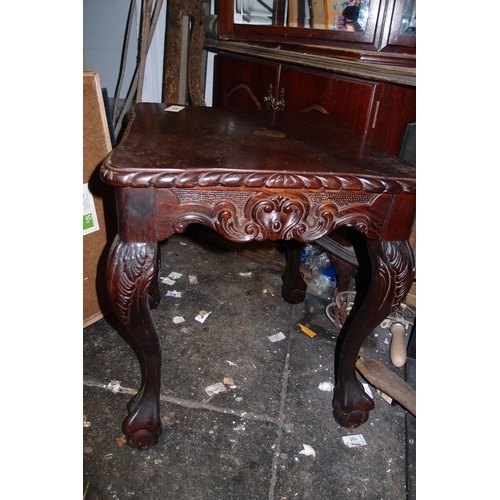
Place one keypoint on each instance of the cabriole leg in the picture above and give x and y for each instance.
(391, 278)
(132, 276)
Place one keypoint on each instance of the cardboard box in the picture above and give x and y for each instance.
(99, 202)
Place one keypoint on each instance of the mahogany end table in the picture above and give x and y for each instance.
(253, 176)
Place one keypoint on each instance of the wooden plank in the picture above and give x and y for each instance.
(382, 72)
(388, 382)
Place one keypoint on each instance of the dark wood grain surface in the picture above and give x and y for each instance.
(214, 141)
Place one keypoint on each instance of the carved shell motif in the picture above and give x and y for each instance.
(259, 215)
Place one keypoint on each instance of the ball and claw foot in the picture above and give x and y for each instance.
(295, 296)
(353, 411)
(143, 426)
(350, 420)
(143, 439)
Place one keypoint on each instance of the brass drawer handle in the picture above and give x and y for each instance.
(274, 104)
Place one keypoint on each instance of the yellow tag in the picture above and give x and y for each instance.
(307, 331)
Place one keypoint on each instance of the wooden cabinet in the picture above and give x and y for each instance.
(378, 111)
(361, 70)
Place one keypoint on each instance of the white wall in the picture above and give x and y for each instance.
(104, 26)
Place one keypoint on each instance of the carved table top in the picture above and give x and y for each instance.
(204, 148)
(219, 147)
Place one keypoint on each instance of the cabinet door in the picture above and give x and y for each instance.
(316, 22)
(351, 100)
(377, 111)
(396, 109)
(243, 83)
(400, 28)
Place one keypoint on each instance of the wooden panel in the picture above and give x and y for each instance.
(349, 99)
(242, 83)
(96, 145)
(400, 218)
(396, 110)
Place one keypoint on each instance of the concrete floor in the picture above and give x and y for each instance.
(250, 441)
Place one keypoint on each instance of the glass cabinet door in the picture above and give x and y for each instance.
(403, 27)
(314, 14)
(301, 21)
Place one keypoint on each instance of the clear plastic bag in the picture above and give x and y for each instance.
(323, 280)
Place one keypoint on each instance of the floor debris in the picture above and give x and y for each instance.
(167, 281)
(308, 451)
(326, 386)
(276, 337)
(202, 316)
(307, 331)
(114, 386)
(243, 443)
(214, 389)
(171, 278)
(354, 441)
(367, 389)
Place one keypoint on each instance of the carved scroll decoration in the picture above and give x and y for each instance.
(134, 267)
(252, 215)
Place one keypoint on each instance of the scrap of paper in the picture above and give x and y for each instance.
(214, 389)
(308, 451)
(175, 276)
(202, 316)
(276, 337)
(174, 108)
(354, 441)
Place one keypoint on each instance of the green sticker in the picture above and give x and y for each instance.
(88, 221)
